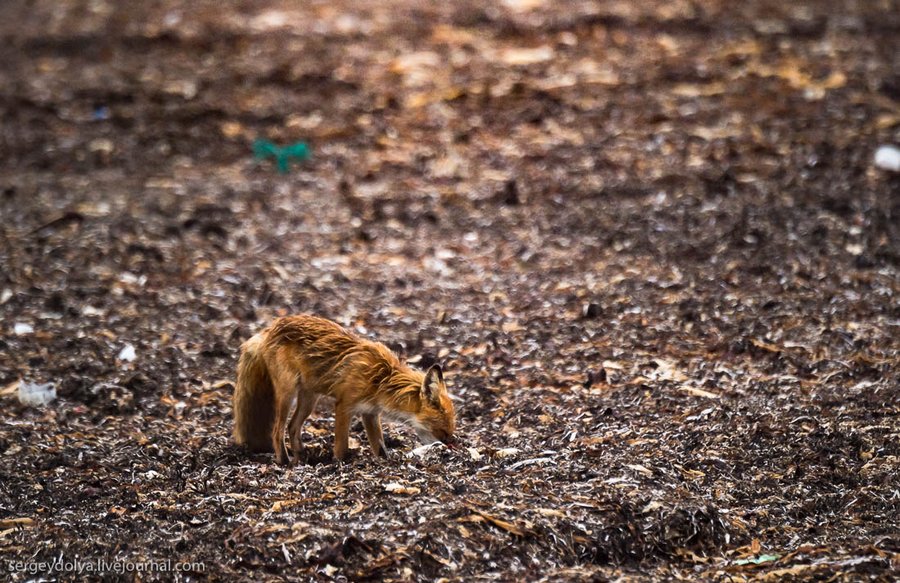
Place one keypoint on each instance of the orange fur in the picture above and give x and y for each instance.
(307, 357)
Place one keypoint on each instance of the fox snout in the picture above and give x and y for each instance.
(437, 418)
(427, 437)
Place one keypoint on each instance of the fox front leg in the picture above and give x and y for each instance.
(372, 424)
(341, 431)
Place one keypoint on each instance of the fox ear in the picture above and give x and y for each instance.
(434, 380)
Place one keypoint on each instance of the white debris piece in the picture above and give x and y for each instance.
(127, 354)
(395, 488)
(423, 450)
(537, 460)
(888, 158)
(92, 311)
(35, 394)
(21, 328)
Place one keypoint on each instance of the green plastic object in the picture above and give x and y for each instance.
(283, 155)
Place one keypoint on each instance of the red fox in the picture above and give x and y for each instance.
(306, 357)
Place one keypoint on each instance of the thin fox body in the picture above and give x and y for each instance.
(307, 357)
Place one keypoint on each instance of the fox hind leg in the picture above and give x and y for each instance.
(282, 410)
(306, 402)
(285, 389)
(372, 424)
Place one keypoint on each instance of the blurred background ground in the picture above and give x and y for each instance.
(647, 241)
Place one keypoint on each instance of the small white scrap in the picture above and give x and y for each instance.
(474, 454)
(396, 488)
(619, 480)
(537, 460)
(92, 311)
(640, 469)
(888, 158)
(422, 450)
(507, 452)
(329, 570)
(127, 354)
(854, 249)
(21, 328)
(130, 278)
(36, 395)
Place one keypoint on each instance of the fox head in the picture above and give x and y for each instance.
(436, 419)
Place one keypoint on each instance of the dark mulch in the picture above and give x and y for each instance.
(646, 239)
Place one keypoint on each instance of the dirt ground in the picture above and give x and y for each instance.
(646, 240)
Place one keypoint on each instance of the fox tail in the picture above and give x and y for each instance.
(254, 399)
